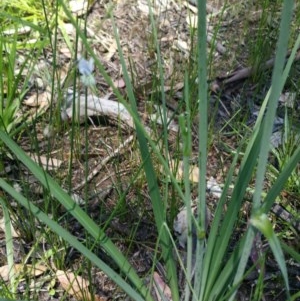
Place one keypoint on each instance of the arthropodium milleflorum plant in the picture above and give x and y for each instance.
(218, 273)
(214, 276)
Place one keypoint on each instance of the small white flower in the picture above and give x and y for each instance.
(86, 69)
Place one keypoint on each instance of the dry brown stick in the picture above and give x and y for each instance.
(97, 169)
(246, 72)
(219, 47)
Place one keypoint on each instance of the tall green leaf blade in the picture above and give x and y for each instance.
(262, 223)
(267, 126)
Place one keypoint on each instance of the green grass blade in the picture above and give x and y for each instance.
(202, 146)
(202, 111)
(185, 129)
(9, 245)
(281, 180)
(224, 277)
(7, 16)
(226, 229)
(274, 96)
(291, 251)
(262, 223)
(207, 272)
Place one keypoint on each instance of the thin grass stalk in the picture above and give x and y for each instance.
(9, 246)
(73, 125)
(202, 111)
(162, 82)
(11, 83)
(163, 100)
(213, 42)
(52, 28)
(281, 181)
(185, 130)
(202, 137)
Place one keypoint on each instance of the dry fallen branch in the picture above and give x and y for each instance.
(244, 73)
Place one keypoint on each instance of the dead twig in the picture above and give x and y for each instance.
(98, 168)
(244, 73)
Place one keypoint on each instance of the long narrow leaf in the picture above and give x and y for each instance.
(277, 85)
(202, 145)
(72, 240)
(262, 223)
(274, 96)
(9, 245)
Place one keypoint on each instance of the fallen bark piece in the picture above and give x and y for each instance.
(73, 284)
(76, 286)
(162, 290)
(46, 162)
(91, 105)
(177, 168)
(22, 269)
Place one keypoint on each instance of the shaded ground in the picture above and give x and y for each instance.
(117, 194)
